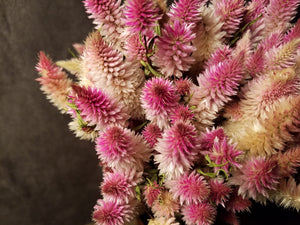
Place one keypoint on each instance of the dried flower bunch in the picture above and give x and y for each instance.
(194, 108)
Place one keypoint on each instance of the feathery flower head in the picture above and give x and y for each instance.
(183, 86)
(54, 82)
(220, 55)
(120, 186)
(165, 206)
(152, 192)
(223, 153)
(107, 16)
(208, 138)
(189, 188)
(257, 176)
(96, 108)
(186, 11)
(141, 15)
(83, 131)
(151, 134)
(121, 149)
(231, 14)
(175, 49)
(159, 99)
(237, 203)
(177, 150)
(289, 161)
(182, 113)
(219, 82)
(219, 192)
(134, 48)
(111, 213)
(199, 214)
(163, 221)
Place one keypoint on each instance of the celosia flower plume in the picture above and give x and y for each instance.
(141, 15)
(151, 134)
(199, 213)
(121, 149)
(175, 49)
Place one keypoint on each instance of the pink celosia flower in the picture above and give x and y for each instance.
(289, 161)
(257, 176)
(231, 13)
(54, 82)
(107, 16)
(152, 192)
(237, 203)
(120, 186)
(222, 153)
(178, 149)
(186, 11)
(219, 192)
(159, 99)
(278, 15)
(294, 33)
(208, 138)
(134, 48)
(219, 82)
(199, 214)
(165, 206)
(182, 113)
(151, 133)
(183, 86)
(189, 188)
(111, 213)
(175, 49)
(121, 149)
(220, 55)
(96, 108)
(141, 15)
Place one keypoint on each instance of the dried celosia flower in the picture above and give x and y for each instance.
(175, 49)
(257, 177)
(231, 14)
(219, 192)
(294, 33)
(134, 49)
(186, 11)
(96, 108)
(182, 113)
(159, 99)
(189, 188)
(163, 221)
(119, 186)
(288, 194)
(122, 149)
(151, 134)
(111, 213)
(220, 55)
(199, 213)
(107, 16)
(208, 138)
(151, 192)
(141, 15)
(237, 203)
(165, 206)
(288, 161)
(183, 86)
(278, 15)
(54, 82)
(177, 150)
(83, 131)
(223, 153)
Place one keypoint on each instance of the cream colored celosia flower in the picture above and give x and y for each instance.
(288, 194)
(163, 221)
(84, 133)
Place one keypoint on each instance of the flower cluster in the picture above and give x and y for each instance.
(194, 109)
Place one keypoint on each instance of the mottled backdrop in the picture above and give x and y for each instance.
(47, 176)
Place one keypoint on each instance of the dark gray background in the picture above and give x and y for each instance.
(47, 176)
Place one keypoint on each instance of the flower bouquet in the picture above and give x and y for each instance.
(194, 108)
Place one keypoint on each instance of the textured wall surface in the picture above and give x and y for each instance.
(47, 176)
